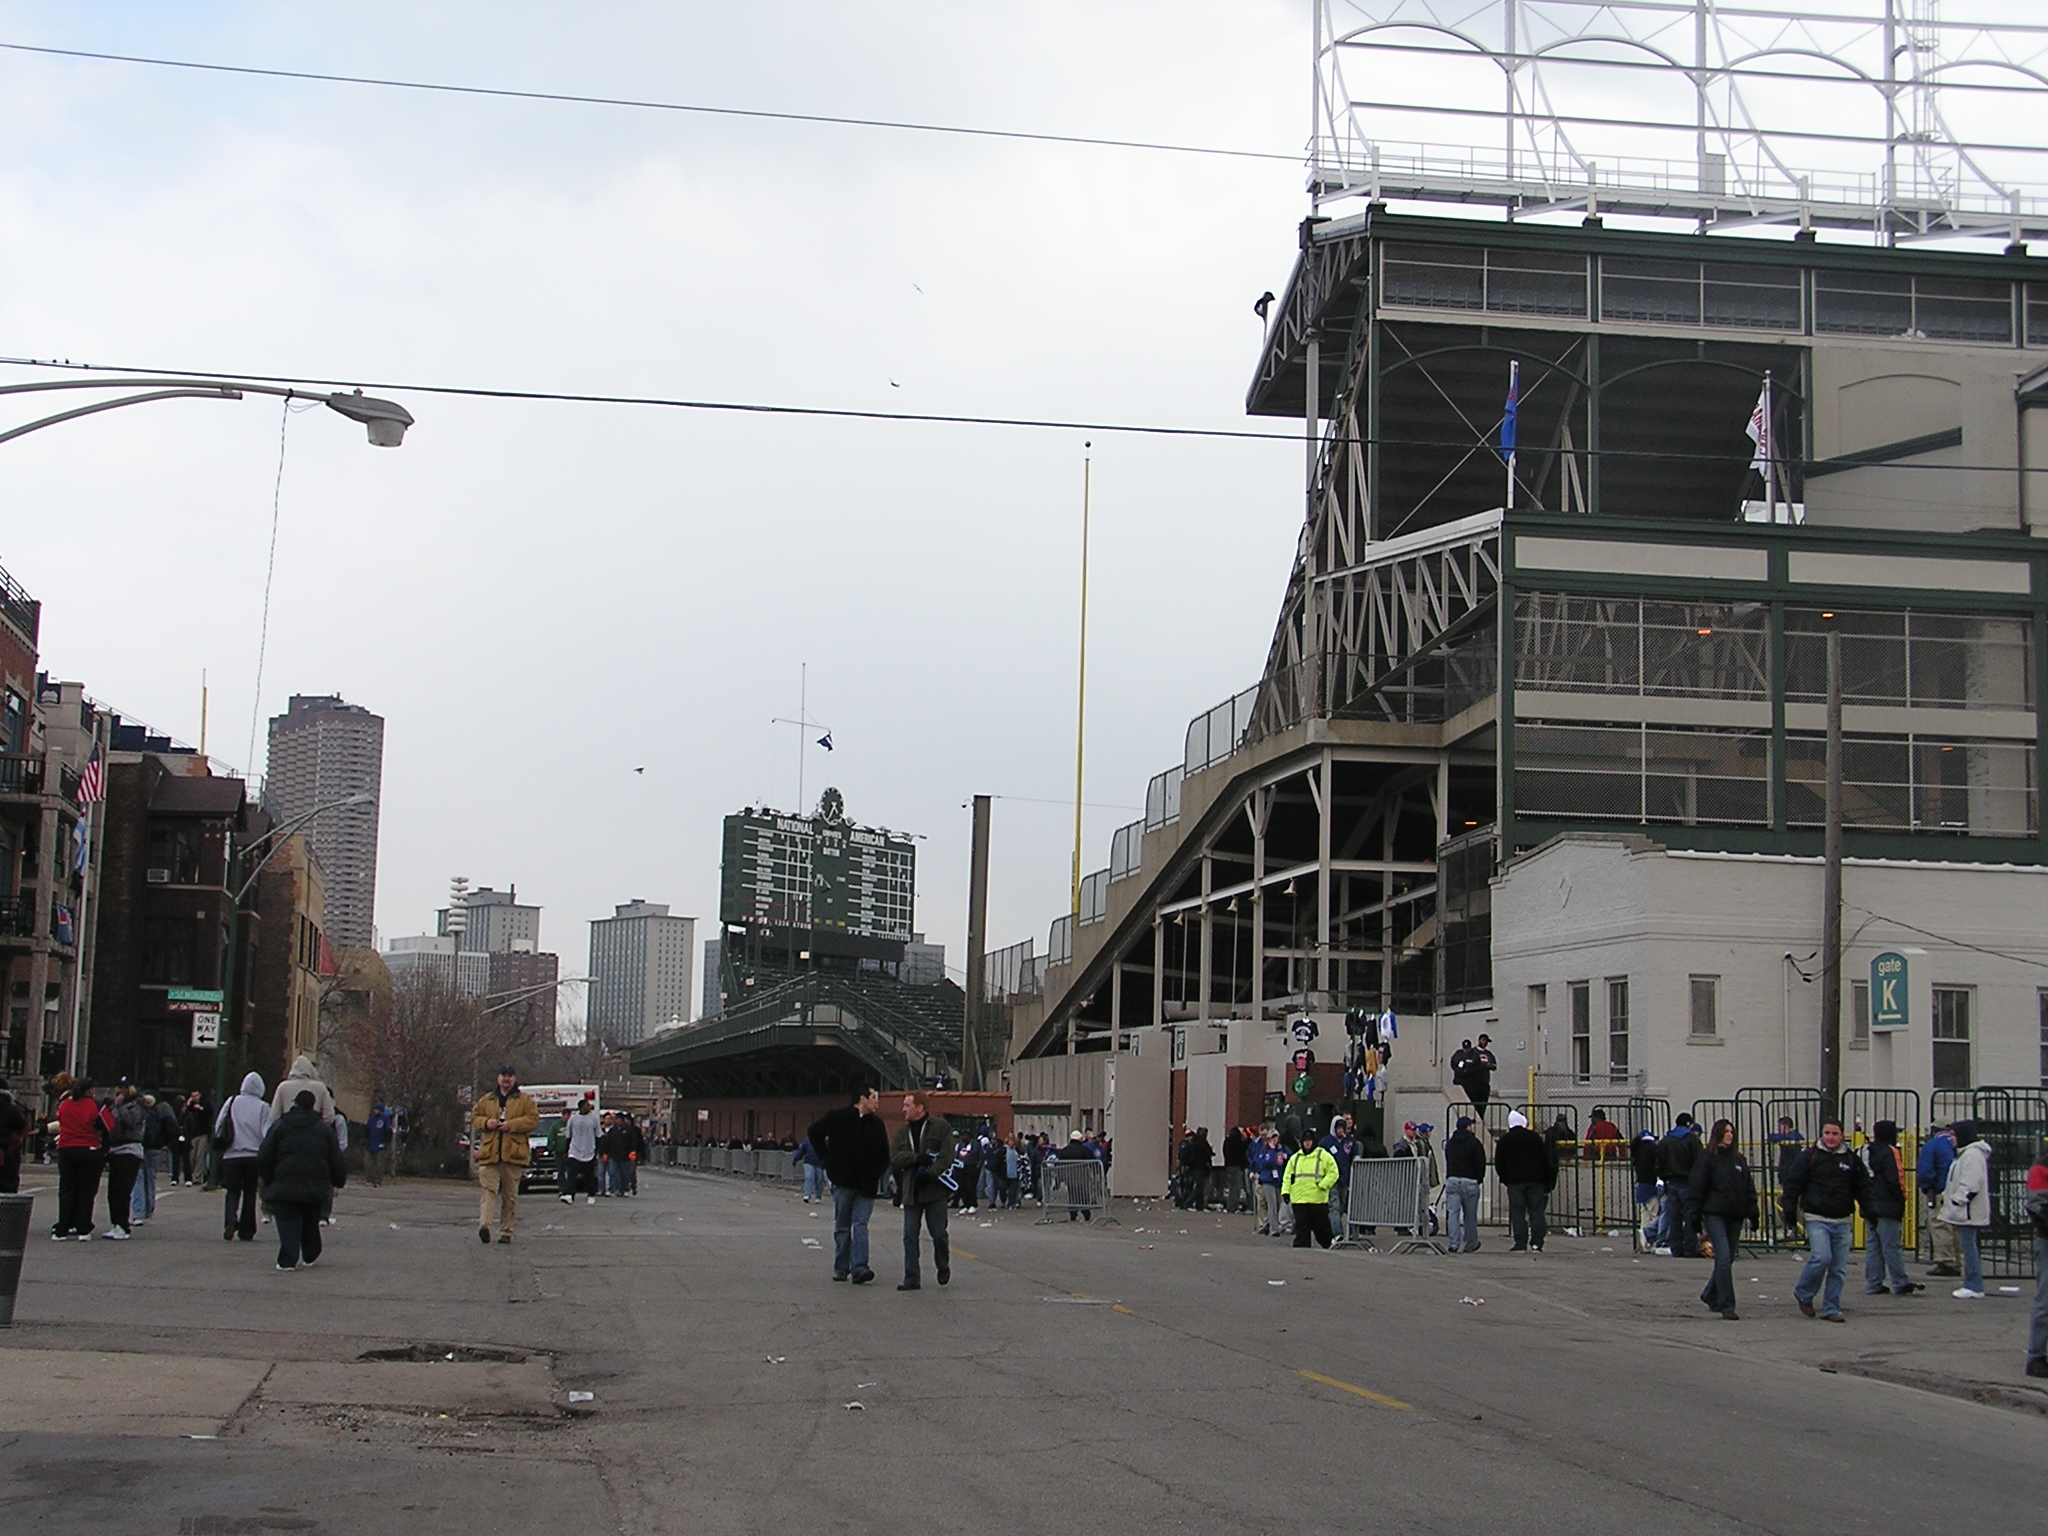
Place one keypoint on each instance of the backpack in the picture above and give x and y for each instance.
(152, 1129)
(224, 1127)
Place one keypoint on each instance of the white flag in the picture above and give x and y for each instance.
(1760, 431)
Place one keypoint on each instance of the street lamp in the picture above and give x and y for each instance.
(386, 420)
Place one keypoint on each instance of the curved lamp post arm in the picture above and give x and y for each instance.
(280, 833)
(222, 393)
(386, 420)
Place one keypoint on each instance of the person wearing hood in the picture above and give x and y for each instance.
(1884, 1212)
(1464, 1172)
(304, 1077)
(1966, 1205)
(299, 1163)
(127, 1123)
(2037, 1211)
(1522, 1162)
(238, 1132)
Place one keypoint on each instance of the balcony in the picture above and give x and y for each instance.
(21, 773)
(18, 916)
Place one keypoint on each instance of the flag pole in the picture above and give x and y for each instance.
(1509, 425)
(1081, 685)
(1770, 447)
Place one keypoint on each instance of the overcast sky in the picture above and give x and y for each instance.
(542, 598)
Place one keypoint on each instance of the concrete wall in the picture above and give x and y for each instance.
(1588, 908)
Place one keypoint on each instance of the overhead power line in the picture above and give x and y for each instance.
(938, 418)
(641, 104)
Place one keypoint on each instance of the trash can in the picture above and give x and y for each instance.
(14, 1223)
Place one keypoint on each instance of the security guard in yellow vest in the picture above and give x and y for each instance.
(1306, 1183)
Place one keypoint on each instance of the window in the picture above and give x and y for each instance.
(1464, 277)
(1582, 1031)
(1617, 1029)
(1952, 1038)
(1859, 1014)
(2044, 1039)
(2037, 314)
(1894, 304)
(1706, 1010)
(1734, 295)
(167, 951)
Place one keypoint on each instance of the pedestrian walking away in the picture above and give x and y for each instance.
(1825, 1185)
(853, 1149)
(1522, 1162)
(197, 1123)
(1966, 1205)
(1464, 1172)
(377, 1145)
(1720, 1197)
(813, 1164)
(1305, 1184)
(499, 1127)
(579, 1160)
(1884, 1213)
(921, 1155)
(300, 1165)
(238, 1133)
(1237, 1193)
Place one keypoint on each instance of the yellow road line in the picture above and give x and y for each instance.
(1120, 1307)
(1345, 1386)
(962, 1253)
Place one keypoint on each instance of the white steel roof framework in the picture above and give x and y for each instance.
(1905, 118)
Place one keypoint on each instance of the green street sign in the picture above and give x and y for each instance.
(1887, 992)
(192, 995)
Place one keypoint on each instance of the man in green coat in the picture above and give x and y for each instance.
(921, 1155)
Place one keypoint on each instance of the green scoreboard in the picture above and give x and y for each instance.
(816, 872)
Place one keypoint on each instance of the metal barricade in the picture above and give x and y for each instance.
(1391, 1192)
(1073, 1190)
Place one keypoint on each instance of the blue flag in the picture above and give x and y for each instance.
(1507, 420)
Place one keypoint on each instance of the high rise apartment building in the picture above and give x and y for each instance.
(494, 923)
(322, 750)
(641, 965)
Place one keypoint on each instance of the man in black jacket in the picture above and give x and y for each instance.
(299, 1162)
(855, 1146)
(1197, 1157)
(1464, 1172)
(1523, 1164)
(1825, 1184)
(1884, 1209)
(1236, 1170)
(1676, 1154)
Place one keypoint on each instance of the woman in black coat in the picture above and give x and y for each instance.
(299, 1164)
(1721, 1194)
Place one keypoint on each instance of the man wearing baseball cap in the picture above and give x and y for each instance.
(499, 1125)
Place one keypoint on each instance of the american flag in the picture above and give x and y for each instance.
(92, 784)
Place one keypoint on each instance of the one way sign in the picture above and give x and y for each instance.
(1887, 992)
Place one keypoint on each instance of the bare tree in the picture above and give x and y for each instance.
(425, 1054)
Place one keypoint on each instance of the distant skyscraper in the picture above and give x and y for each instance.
(495, 923)
(323, 749)
(641, 961)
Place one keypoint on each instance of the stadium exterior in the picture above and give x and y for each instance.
(1549, 764)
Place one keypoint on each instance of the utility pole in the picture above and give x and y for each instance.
(1081, 688)
(973, 1070)
(1831, 896)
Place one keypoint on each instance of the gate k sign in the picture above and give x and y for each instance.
(1887, 992)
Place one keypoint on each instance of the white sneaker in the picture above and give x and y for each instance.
(116, 1235)
(568, 1199)
(590, 1199)
(1961, 1293)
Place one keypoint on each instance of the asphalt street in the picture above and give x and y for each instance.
(1172, 1372)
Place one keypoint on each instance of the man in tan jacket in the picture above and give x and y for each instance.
(498, 1129)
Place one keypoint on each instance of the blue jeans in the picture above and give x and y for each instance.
(142, 1204)
(1676, 1229)
(1461, 1214)
(1827, 1244)
(1884, 1255)
(815, 1183)
(1973, 1261)
(850, 1211)
(1720, 1291)
(1652, 1223)
(933, 1215)
(2037, 1326)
